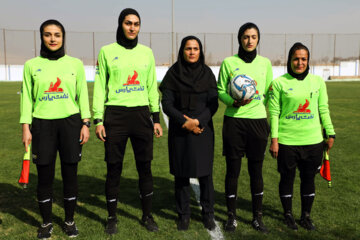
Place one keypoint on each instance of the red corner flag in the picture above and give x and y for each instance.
(24, 176)
(325, 169)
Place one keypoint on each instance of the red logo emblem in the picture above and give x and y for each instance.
(257, 92)
(302, 108)
(132, 80)
(55, 87)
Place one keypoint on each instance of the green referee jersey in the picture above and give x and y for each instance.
(53, 89)
(260, 70)
(125, 77)
(296, 108)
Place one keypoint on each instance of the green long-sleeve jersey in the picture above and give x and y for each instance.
(125, 77)
(53, 89)
(296, 108)
(260, 70)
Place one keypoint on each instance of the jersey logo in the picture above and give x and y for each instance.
(97, 67)
(132, 80)
(302, 112)
(55, 87)
(256, 96)
(115, 58)
(232, 73)
(257, 91)
(131, 85)
(54, 92)
(271, 91)
(37, 71)
(303, 108)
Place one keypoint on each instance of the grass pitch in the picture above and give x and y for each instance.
(335, 211)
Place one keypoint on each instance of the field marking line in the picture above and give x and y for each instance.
(216, 234)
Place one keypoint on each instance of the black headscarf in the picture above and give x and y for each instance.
(120, 36)
(247, 57)
(297, 46)
(44, 51)
(189, 78)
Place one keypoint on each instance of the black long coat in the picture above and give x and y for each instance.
(190, 155)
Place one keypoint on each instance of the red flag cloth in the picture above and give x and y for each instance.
(24, 176)
(325, 169)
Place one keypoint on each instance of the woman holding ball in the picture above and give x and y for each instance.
(245, 128)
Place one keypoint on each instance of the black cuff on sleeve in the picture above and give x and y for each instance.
(156, 117)
(97, 120)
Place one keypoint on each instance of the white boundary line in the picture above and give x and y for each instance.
(216, 234)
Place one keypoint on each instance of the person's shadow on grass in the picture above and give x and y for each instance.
(18, 202)
(163, 198)
(22, 203)
(92, 192)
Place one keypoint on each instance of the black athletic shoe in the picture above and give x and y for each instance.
(45, 230)
(183, 223)
(70, 229)
(231, 223)
(149, 223)
(111, 226)
(209, 222)
(290, 221)
(306, 222)
(258, 225)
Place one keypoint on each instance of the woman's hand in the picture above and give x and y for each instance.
(243, 102)
(198, 130)
(330, 143)
(158, 132)
(190, 124)
(274, 148)
(84, 135)
(26, 136)
(100, 132)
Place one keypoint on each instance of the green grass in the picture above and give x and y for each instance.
(335, 211)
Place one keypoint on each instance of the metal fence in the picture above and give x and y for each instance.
(326, 49)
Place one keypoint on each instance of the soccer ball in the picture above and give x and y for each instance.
(242, 87)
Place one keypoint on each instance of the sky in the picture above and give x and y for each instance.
(190, 16)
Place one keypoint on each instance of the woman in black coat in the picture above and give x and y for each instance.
(189, 98)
